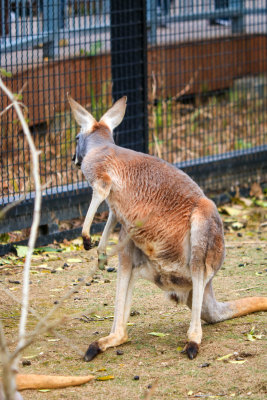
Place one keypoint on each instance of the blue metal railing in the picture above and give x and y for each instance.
(27, 23)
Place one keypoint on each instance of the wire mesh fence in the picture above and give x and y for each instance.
(195, 73)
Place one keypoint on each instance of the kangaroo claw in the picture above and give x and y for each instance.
(87, 243)
(192, 349)
(92, 352)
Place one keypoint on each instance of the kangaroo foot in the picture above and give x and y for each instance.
(191, 349)
(87, 243)
(92, 352)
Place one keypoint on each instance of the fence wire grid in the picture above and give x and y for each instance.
(195, 73)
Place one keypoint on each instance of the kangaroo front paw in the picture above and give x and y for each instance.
(191, 349)
(102, 260)
(87, 243)
(92, 352)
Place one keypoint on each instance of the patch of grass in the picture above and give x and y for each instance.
(151, 358)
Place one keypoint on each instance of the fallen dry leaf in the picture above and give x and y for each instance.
(158, 334)
(105, 378)
(74, 260)
(33, 381)
(225, 357)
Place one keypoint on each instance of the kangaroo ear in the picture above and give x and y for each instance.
(82, 116)
(115, 114)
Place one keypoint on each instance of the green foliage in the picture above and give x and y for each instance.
(163, 114)
(4, 238)
(94, 49)
(242, 144)
(99, 103)
(5, 73)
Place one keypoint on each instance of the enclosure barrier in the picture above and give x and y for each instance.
(194, 72)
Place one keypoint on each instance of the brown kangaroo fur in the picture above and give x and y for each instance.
(171, 232)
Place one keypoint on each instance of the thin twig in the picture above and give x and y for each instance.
(208, 395)
(187, 87)
(9, 207)
(36, 212)
(245, 289)
(10, 106)
(15, 203)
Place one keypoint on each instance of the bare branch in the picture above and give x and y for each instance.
(36, 212)
(10, 206)
(9, 369)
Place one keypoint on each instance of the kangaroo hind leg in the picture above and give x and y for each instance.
(207, 252)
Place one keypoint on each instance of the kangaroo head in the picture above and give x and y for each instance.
(110, 120)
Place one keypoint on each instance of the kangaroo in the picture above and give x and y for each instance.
(171, 233)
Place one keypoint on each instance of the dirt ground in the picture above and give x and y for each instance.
(156, 360)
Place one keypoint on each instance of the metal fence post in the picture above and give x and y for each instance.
(238, 23)
(129, 70)
(51, 24)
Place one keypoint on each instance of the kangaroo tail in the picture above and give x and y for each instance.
(214, 311)
(247, 305)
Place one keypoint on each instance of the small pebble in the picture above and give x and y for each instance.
(110, 269)
(134, 312)
(96, 333)
(149, 386)
(88, 284)
(16, 282)
(241, 265)
(80, 279)
(53, 271)
(26, 363)
(204, 365)
(56, 302)
(119, 352)
(136, 378)
(239, 234)
(258, 248)
(106, 281)
(65, 265)
(105, 304)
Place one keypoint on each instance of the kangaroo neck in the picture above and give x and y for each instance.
(96, 139)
